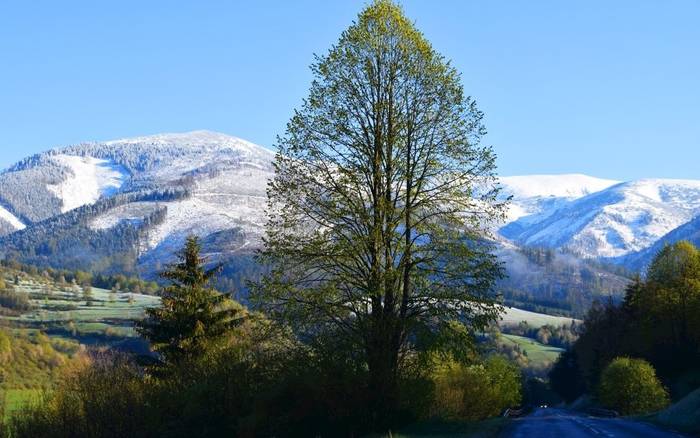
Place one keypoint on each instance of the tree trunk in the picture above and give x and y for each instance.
(382, 359)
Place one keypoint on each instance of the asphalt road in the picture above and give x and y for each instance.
(551, 422)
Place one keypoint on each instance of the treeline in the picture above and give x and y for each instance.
(657, 322)
(549, 281)
(65, 277)
(68, 240)
(561, 336)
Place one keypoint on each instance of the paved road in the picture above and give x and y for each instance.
(561, 423)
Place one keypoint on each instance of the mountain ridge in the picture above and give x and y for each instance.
(145, 194)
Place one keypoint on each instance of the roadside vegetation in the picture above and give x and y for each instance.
(638, 355)
(630, 386)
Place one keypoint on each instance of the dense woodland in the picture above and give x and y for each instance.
(550, 281)
(67, 240)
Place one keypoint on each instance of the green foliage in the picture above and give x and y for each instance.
(259, 383)
(473, 392)
(381, 200)
(191, 315)
(659, 321)
(668, 303)
(30, 359)
(630, 386)
(105, 399)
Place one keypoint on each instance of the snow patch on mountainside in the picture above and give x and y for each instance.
(11, 219)
(230, 199)
(133, 213)
(89, 179)
(233, 199)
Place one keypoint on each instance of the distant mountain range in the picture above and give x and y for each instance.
(127, 205)
(597, 218)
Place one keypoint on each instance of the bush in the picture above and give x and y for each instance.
(630, 386)
(103, 399)
(476, 392)
(18, 301)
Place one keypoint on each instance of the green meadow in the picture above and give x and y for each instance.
(537, 353)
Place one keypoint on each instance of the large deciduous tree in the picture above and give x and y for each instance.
(381, 202)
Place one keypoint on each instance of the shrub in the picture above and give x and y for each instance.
(630, 386)
(476, 391)
(18, 301)
(103, 399)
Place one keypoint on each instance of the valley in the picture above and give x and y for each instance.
(306, 219)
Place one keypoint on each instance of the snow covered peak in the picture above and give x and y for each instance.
(612, 222)
(538, 196)
(680, 192)
(572, 185)
(201, 139)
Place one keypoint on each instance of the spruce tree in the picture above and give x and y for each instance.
(192, 314)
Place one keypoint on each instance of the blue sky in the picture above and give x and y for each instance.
(610, 89)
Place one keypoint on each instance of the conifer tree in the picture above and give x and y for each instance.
(192, 314)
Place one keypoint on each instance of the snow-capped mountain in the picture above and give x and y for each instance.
(612, 222)
(534, 195)
(165, 186)
(689, 231)
(129, 204)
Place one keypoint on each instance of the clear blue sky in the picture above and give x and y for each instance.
(610, 89)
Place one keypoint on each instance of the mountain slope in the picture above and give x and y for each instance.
(639, 260)
(156, 190)
(537, 196)
(613, 222)
(127, 205)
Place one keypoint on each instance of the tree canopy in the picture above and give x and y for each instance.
(658, 321)
(630, 386)
(381, 201)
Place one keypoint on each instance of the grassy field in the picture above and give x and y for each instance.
(67, 310)
(43, 340)
(513, 316)
(16, 399)
(536, 352)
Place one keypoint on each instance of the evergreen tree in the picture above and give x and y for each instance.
(381, 201)
(192, 315)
